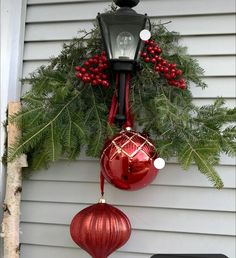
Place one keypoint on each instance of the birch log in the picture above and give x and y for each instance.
(11, 206)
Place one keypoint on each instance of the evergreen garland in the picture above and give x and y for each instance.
(61, 114)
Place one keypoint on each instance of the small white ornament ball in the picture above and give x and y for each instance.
(145, 34)
(159, 163)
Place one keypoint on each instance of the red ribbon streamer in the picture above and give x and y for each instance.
(112, 113)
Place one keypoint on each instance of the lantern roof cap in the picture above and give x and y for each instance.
(126, 3)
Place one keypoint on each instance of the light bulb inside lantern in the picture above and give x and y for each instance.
(159, 163)
(125, 43)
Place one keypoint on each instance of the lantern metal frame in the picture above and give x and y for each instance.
(122, 66)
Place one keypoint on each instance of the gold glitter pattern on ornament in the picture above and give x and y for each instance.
(130, 143)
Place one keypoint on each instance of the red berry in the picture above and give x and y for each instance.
(151, 42)
(144, 54)
(149, 49)
(77, 68)
(91, 69)
(152, 52)
(158, 58)
(90, 61)
(105, 84)
(147, 59)
(173, 70)
(161, 69)
(86, 74)
(79, 75)
(167, 76)
(94, 82)
(96, 70)
(172, 75)
(104, 76)
(86, 79)
(173, 65)
(176, 84)
(146, 42)
(83, 70)
(164, 63)
(166, 70)
(97, 76)
(99, 81)
(104, 59)
(92, 75)
(105, 66)
(179, 72)
(157, 69)
(157, 49)
(87, 63)
(104, 53)
(153, 60)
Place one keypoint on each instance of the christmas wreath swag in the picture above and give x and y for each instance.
(72, 105)
(89, 95)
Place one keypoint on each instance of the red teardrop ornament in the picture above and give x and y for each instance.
(127, 161)
(100, 229)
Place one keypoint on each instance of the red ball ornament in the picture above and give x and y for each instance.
(100, 229)
(127, 161)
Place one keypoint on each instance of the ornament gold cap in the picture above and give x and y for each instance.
(102, 200)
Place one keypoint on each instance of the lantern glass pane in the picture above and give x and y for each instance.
(121, 35)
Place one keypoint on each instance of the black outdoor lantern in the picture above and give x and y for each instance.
(121, 36)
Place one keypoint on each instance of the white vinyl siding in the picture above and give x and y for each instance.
(180, 212)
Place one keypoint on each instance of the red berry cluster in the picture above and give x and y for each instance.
(92, 71)
(161, 66)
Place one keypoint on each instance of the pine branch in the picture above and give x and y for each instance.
(61, 114)
(23, 146)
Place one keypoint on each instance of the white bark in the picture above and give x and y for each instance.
(11, 206)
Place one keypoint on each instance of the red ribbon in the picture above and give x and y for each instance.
(112, 113)
(114, 104)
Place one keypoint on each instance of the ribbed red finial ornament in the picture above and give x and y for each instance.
(100, 229)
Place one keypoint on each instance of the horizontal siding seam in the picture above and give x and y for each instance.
(67, 40)
(151, 185)
(97, 182)
(76, 247)
(135, 206)
(139, 230)
(153, 18)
